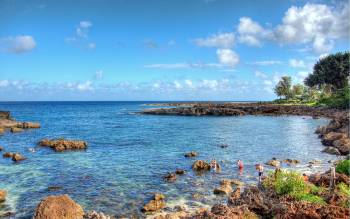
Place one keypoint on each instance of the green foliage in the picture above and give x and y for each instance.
(283, 87)
(343, 167)
(344, 189)
(340, 99)
(332, 70)
(292, 184)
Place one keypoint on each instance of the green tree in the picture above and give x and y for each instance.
(332, 70)
(283, 87)
(297, 90)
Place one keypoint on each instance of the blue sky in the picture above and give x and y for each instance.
(164, 49)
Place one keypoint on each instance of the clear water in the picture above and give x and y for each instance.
(129, 153)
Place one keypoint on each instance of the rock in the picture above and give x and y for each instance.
(1, 148)
(236, 194)
(15, 130)
(58, 207)
(8, 214)
(3, 195)
(237, 182)
(324, 179)
(170, 177)
(2, 130)
(343, 145)
(274, 162)
(330, 137)
(156, 204)
(28, 125)
(54, 188)
(201, 165)
(223, 145)
(313, 162)
(8, 154)
(18, 157)
(180, 172)
(60, 145)
(5, 115)
(96, 215)
(224, 189)
(291, 161)
(331, 150)
(191, 154)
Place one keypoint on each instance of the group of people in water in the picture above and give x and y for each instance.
(259, 167)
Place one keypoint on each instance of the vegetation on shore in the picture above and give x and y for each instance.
(327, 85)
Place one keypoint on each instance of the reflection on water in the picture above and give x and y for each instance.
(129, 153)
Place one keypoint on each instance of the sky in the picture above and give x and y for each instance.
(157, 50)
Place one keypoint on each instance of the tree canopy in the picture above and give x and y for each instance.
(332, 70)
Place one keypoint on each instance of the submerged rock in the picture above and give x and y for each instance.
(224, 145)
(8, 155)
(17, 157)
(291, 161)
(3, 195)
(60, 145)
(191, 154)
(28, 125)
(155, 204)
(58, 207)
(224, 189)
(15, 129)
(170, 177)
(1, 148)
(180, 171)
(201, 165)
(274, 162)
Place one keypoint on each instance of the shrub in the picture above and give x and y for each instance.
(343, 167)
(344, 189)
(309, 198)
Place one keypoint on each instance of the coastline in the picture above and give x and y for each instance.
(250, 109)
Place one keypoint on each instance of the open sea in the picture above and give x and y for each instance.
(129, 153)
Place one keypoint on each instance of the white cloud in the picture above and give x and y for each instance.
(84, 86)
(318, 24)
(222, 40)
(266, 62)
(295, 63)
(91, 46)
(18, 44)
(4, 83)
(259, 74)
(251, 33)
(184, 65)
(81, 36)
(267, 82)
(227, 57)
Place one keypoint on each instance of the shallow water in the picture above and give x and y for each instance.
(128, 154)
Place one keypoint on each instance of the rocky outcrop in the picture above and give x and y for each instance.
(221, 211)
(3, 195)
(96, 215)
(331, 150)
(191, 154)
(60, 145)
(6, 122)
(15, 130)
(170, 177)
(324, 178)
(155, 204)
(201, 165)
(274, 162)
(58, 207)
(17, 157)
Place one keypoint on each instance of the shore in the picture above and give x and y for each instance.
(335, 136)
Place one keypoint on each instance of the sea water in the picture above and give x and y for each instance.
(129, 153)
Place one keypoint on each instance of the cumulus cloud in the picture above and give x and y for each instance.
(17, 45)
(222, 40)
(318, 24)
(295, 63)
(251, 33)
(227, 57)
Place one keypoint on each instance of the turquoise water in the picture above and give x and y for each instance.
(128, 154)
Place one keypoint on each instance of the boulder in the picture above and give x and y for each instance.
(17, 157)
(180, 171)
(58, 207)
(8, 154)
(155, 204)
(201, 165)
(236, 194)
(191, 154)
(331, 150)
(15, 129)
(3, 195)
(330, 137)
(343, 145)
(291, 161)
(274, 162)
(170, 177)
(60, 145)
(225, 189)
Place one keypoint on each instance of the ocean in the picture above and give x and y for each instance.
(129, 153)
